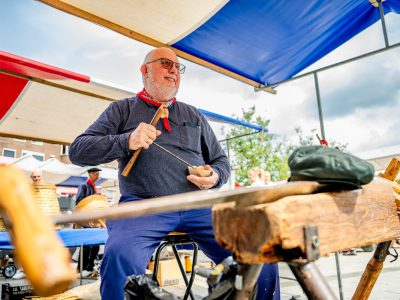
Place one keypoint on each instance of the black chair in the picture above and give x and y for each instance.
(175, 239)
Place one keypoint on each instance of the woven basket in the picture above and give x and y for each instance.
(90, 203)
(46, 198)
(2, 225)
(63, 296)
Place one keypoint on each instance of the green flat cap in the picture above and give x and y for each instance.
(329, 165)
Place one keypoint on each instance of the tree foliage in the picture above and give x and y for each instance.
(247, 150)
(256, 150)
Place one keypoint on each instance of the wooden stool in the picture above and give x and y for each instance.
(174, 239)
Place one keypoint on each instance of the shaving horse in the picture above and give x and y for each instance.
(295, 222)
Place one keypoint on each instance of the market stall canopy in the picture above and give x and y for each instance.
(258, 42)
(76, 181)
(56, 172)
(43, 102)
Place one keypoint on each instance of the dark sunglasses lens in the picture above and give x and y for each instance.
(166, 63)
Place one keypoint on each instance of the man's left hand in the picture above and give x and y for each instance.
(204, 183)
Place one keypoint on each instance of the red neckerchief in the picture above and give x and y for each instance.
(89, 182)
(147, 98)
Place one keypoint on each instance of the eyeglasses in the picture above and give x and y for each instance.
(168, 64)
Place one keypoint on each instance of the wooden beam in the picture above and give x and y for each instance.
(147, 40)
(347, 219)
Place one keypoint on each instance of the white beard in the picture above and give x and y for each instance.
(161, 93)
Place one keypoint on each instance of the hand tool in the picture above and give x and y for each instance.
(162, 112)
(172, 154)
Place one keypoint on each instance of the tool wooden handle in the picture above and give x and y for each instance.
(38, 249)
(131, 162)
(159, 113)
(371, 272)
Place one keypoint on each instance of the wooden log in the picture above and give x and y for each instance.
(273, 231)
(38, 249)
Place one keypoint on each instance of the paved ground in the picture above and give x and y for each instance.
(387, 286)
(352, 267)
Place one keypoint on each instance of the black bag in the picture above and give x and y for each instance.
(20, 292)
(142, 287)
(329, 165)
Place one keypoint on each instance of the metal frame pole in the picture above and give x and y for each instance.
(339, 276)
(311, 280)
(227, 150)
(321, 119)
(81, 264)
(382, 14)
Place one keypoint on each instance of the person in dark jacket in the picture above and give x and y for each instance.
(89, 187)
(124, 127)
(89, 253)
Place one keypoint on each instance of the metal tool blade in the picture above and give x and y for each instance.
(170, 153)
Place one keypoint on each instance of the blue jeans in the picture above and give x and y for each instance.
(132, 241)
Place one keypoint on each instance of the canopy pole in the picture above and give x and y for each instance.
(227, 150)
(321, 123)
(321, 119)
(385, 35)
(239, 136)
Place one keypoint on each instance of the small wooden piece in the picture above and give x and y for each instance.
(162, 112)
(347, 219)
(200, 171)
(392, 170)
(39, 250)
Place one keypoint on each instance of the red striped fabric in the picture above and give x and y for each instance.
(10, 88)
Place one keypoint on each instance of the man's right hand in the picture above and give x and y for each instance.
(143, 136)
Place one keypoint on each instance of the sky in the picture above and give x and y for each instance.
(360, 100)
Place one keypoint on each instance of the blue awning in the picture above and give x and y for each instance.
(270, 41)
(224, 119)
(257, 42)
(76, 181)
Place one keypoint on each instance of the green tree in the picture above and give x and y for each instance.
(248, 149)
(255, 150)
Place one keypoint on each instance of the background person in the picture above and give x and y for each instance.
(89, 253)
(89, 187)
(122, 128)
(37, 176)
(256, 176)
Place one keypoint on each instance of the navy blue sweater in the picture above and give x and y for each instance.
(155, 172)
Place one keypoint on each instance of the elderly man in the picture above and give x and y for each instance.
(124, 127)
(37, 176)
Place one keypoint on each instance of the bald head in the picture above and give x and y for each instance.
(155, 53)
